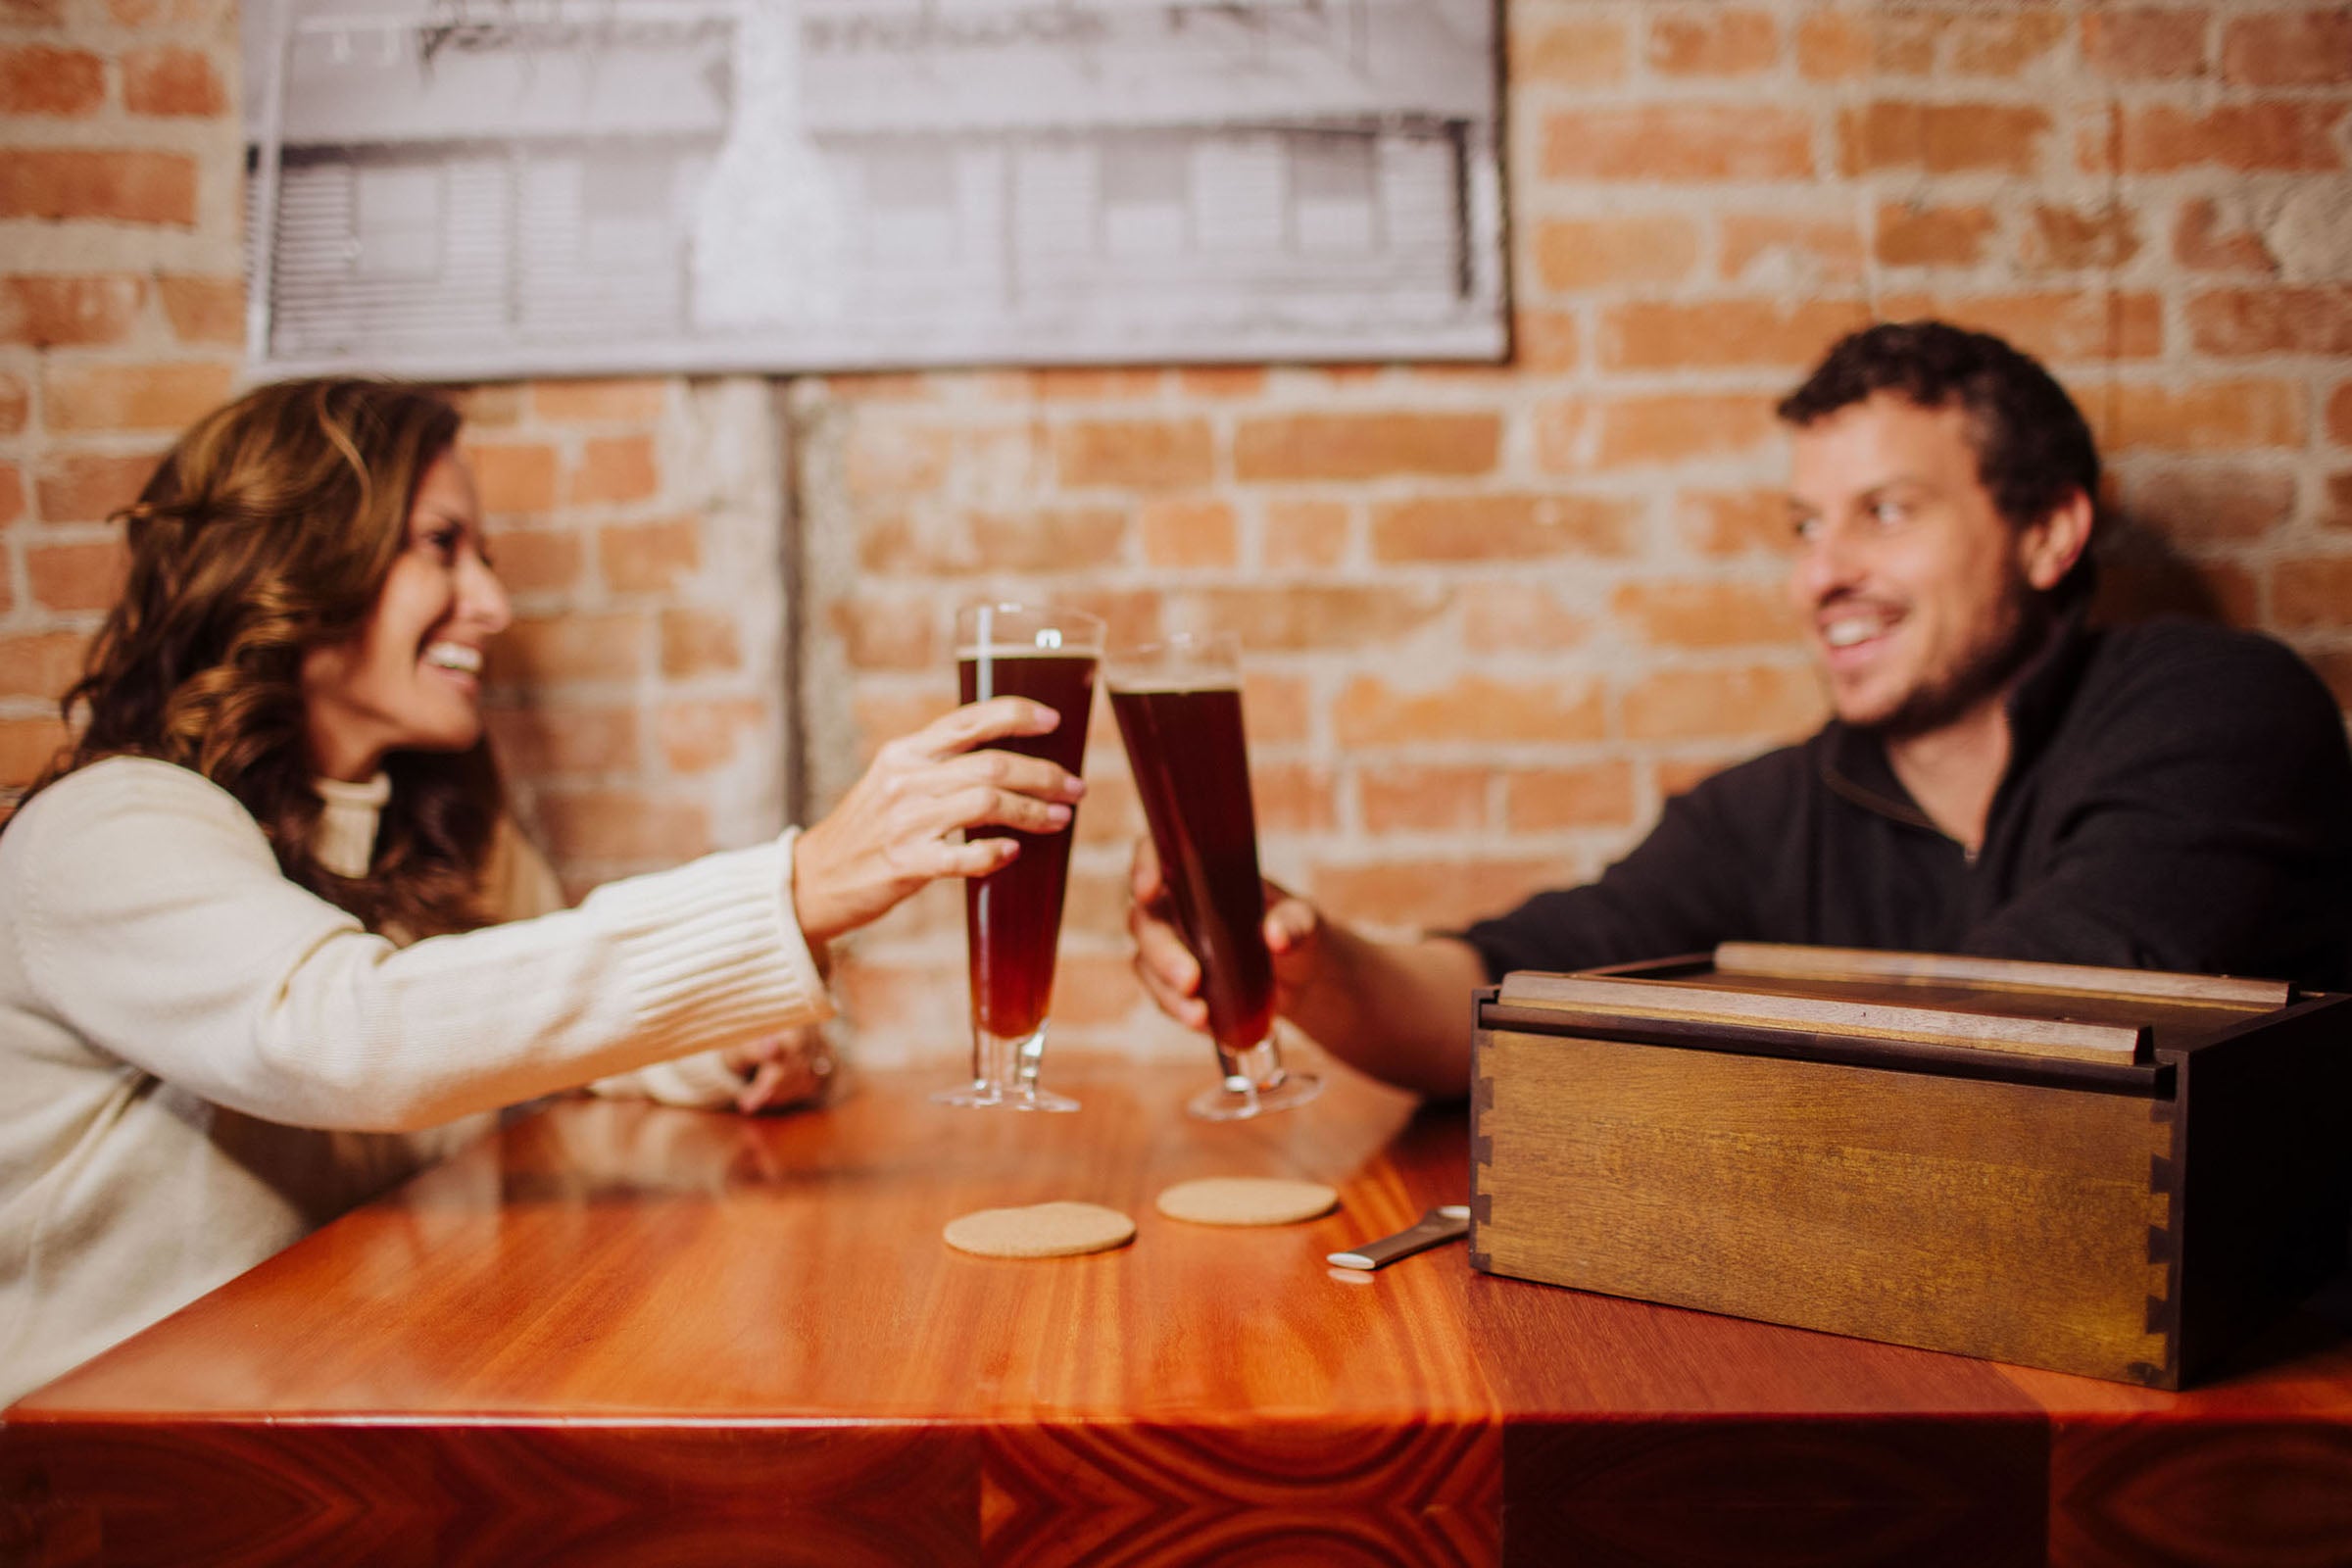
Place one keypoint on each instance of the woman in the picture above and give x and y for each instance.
(250, 969)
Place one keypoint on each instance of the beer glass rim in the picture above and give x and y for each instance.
(1213, 652)
(976, 629)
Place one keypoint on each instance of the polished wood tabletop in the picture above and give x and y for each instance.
(618, 1332)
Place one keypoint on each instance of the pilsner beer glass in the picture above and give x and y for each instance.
(1179, 708)
(1013, 916)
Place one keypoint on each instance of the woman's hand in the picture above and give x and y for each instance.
(1169, 973)
(894, 831)
(783, 1069)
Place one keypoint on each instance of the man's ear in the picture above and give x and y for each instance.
(2049, 549)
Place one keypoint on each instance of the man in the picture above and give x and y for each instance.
(1998, 778)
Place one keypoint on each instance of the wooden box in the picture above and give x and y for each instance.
(2111, 1172)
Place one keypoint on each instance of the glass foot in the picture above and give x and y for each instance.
(1237, 1100)
(983, 1095)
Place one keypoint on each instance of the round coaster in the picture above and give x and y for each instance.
(1246, 1201)
(1042, 1230)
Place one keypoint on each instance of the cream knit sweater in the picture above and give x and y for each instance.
(200, 1062)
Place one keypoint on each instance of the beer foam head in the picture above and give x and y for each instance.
(1175, 682)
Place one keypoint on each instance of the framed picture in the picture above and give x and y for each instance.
(474, 188)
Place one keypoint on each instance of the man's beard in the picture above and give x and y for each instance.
(2020, 625)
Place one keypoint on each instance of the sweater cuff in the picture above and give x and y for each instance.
(703, 1082)
(712, 949)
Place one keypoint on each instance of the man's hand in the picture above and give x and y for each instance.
(895, 830)
(1169, 973)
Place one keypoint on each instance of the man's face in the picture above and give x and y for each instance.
(1916, 587)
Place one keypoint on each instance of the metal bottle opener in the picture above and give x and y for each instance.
(1438, 1226)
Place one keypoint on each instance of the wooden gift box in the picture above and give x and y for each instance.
(2105, 1171)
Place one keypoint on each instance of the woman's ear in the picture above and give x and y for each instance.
(2049, 549)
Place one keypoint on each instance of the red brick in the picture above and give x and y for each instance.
(91, 486)
(615, 470)
(2206, 503)
(2339, 502)
(1643, 250)
(11, 493)
(1545, 340)
(1052, 539)
(2208, 239)
(1678, 143)
(1908, 235)
(33, 13)
(1547, 799)
(2335, 669)
(700, 737)
(26, 747)
(171, 83)
(1433, 895)
(132, 397)
(1579, 52)
(1680, 774)
(41, 664)
(1221, 380)
(39, 80)
(2134, 585)
(1304, 533)
(1735, 522)
(1762, 248)
(205, 310)
(648, 557)
(550, 740)
(69, 577)
(890, 459)
(1136, 453)
(1365, 446)
(216, 14)
(1293, 797)
(634, 401)
(2309, 592)
(1705, 614)
(1661, 335)
(1766, 702)
(1473, 708)
(15, 404)
(2144, 44)
(47, 312)
(624, 825)
(2087, 325)
(1405, 799)
(543, 650)
(2003, 44)
(1510, 617)
(496, 405)
(2283, 136)
(1845, 45)
(1113, 813)
(1501, 527)
(2068, 239)
(514, 477)
(131, 187)
(1189, 534)
(2290, 49)
(1677, 427)
(538, 561)
(2339, 414)
(700, 641)
(1313, 620)
(884, 631)
(1714, 42)
(2273, 320)
(2199, 416)
(1090, 383)
(1941, 138)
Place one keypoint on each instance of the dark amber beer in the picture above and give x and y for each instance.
(1193, 772)
(1012, 918)
(1179, 707)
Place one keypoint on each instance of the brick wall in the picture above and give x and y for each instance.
(1496, 614)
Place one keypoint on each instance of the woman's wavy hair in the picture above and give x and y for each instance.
(267, 532)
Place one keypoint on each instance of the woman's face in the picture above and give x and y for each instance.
(411, 678)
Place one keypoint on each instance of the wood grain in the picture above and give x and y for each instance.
(621, 1334)
(1789, 961)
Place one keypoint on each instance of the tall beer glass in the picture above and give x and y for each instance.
(1179, 708)
(1013, 916)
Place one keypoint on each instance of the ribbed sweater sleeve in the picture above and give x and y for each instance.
(158, 926)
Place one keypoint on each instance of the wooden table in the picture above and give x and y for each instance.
(621, 1334)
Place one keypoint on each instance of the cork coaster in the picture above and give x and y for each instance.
(1246, 1201)
(1042, 1230)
